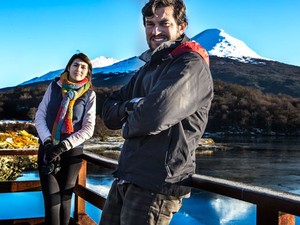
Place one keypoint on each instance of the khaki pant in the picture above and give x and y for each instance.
(128, 204)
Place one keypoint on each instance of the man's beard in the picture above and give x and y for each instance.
(179, 36)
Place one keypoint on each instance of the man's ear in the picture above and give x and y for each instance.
(182, 28)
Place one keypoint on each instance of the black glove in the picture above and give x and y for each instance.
(47, 145)
(54, 153)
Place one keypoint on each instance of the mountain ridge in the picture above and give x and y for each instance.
(231, 61)
(216, 41)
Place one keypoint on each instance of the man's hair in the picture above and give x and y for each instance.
(178, 6)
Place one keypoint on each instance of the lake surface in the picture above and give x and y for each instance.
(271, 162)
(268, 162)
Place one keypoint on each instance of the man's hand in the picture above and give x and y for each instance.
(54, 153)
(133, 104)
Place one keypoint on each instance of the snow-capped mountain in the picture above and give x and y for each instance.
(218, 43)
(97, 63)
(124, 66)
(101, 65)
(48, 76)
(102, 61)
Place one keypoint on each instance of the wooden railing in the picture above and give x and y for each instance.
(272, 207)
(20, 186)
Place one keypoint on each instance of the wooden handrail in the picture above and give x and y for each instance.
(273, 207)
(29, 151)
(99, 160)
(280, 201)
(20, 186)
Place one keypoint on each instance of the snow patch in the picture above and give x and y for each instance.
(218, 43)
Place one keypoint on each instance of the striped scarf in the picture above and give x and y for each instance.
(70, 92)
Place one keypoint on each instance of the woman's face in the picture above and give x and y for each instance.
(78, 70)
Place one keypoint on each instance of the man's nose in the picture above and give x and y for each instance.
(156, 30)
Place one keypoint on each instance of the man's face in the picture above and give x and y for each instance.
(162, 27)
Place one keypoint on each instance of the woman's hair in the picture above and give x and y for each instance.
(84, 58)
(179, 13)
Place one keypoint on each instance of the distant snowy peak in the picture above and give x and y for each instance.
(218, 43)
(101, 65)
(97, 63)
(103, 61)
(124, 66)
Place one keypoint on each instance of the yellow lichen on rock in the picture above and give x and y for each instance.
(206, 142)
(20, 139)
(12, 166)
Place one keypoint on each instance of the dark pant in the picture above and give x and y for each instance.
(58, 188)
(128, 204)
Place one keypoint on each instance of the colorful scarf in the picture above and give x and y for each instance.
(70, 92)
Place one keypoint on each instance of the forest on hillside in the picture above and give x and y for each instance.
(235, 109)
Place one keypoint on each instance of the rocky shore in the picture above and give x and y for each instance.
(112, 145)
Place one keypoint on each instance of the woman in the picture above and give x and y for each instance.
(64, 120)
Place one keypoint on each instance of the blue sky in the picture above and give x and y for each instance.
(38, 36)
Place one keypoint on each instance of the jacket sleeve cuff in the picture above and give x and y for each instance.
(47, 139)
(67, 144)
(122, 110)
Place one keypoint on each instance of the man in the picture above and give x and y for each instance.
(163, 112)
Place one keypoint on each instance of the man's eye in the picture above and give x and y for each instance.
(149, 24)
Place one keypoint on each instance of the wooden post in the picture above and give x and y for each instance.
(266, 215)
(79, 202)
(286, 219)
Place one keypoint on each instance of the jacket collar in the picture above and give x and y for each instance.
(170, 49)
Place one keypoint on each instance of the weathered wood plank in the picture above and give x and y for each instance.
(19, 186)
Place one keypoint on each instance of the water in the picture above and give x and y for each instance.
(266, 162)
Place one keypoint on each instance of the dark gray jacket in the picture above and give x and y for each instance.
(162, 134)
